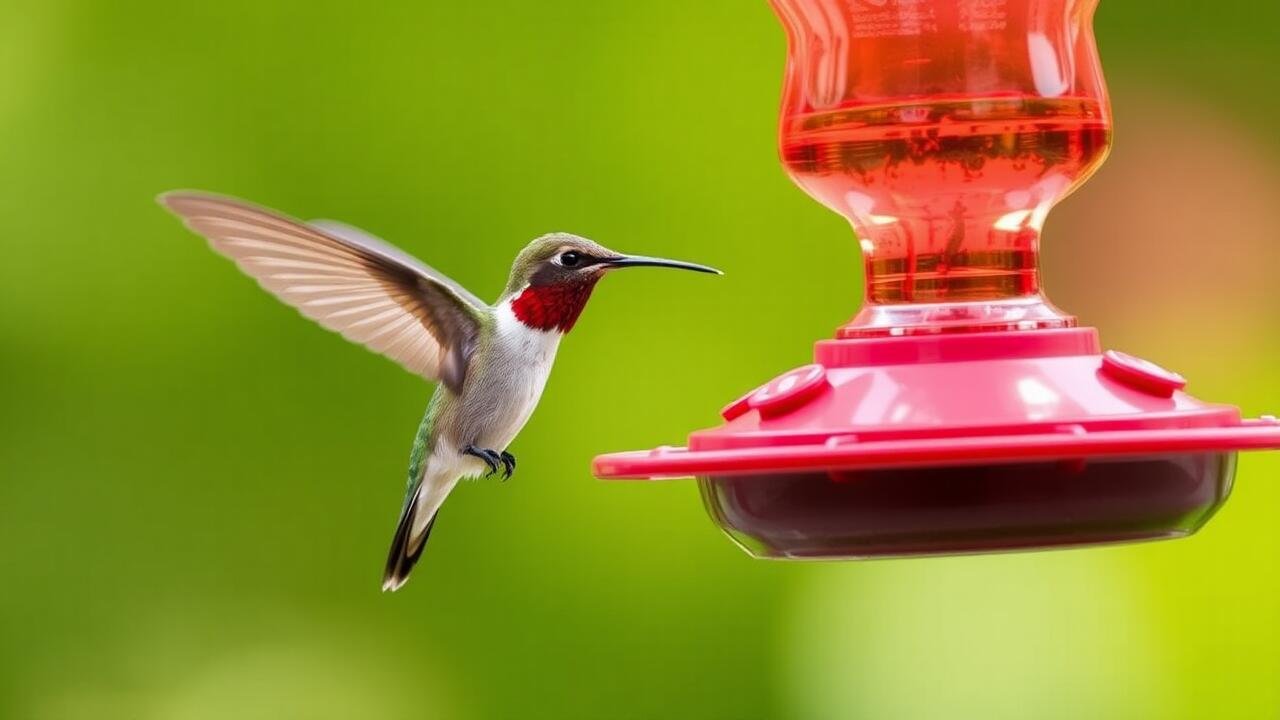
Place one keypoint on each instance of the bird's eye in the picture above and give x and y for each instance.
(570, 259)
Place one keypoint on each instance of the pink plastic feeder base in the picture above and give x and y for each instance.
(947, 444)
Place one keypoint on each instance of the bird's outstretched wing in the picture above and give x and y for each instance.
(366, 239)
(346, 280)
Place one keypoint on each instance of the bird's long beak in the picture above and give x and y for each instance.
(630, 261)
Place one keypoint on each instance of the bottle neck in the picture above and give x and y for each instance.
(968, 274)
(945, 267)
(911, 319)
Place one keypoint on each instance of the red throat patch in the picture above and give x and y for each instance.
(552, 307)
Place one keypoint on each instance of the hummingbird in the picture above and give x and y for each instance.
(491, 361)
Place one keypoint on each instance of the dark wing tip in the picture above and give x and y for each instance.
(186, 203)
(176, 199)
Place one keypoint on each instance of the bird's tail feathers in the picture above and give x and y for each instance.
(416, 520)
(406, 546)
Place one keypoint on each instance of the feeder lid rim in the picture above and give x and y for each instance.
(669, 463)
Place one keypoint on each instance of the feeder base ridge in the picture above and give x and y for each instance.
(960, 443)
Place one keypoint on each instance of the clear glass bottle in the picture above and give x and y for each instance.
(945, 131)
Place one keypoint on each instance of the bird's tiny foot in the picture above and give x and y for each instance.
(508, 464)
(490, 458)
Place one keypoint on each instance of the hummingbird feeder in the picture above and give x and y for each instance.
(959, 411)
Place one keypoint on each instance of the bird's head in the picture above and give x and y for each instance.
(552, 278)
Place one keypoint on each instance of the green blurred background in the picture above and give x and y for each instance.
(197, 487)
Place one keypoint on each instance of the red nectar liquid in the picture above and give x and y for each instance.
(948, 197)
